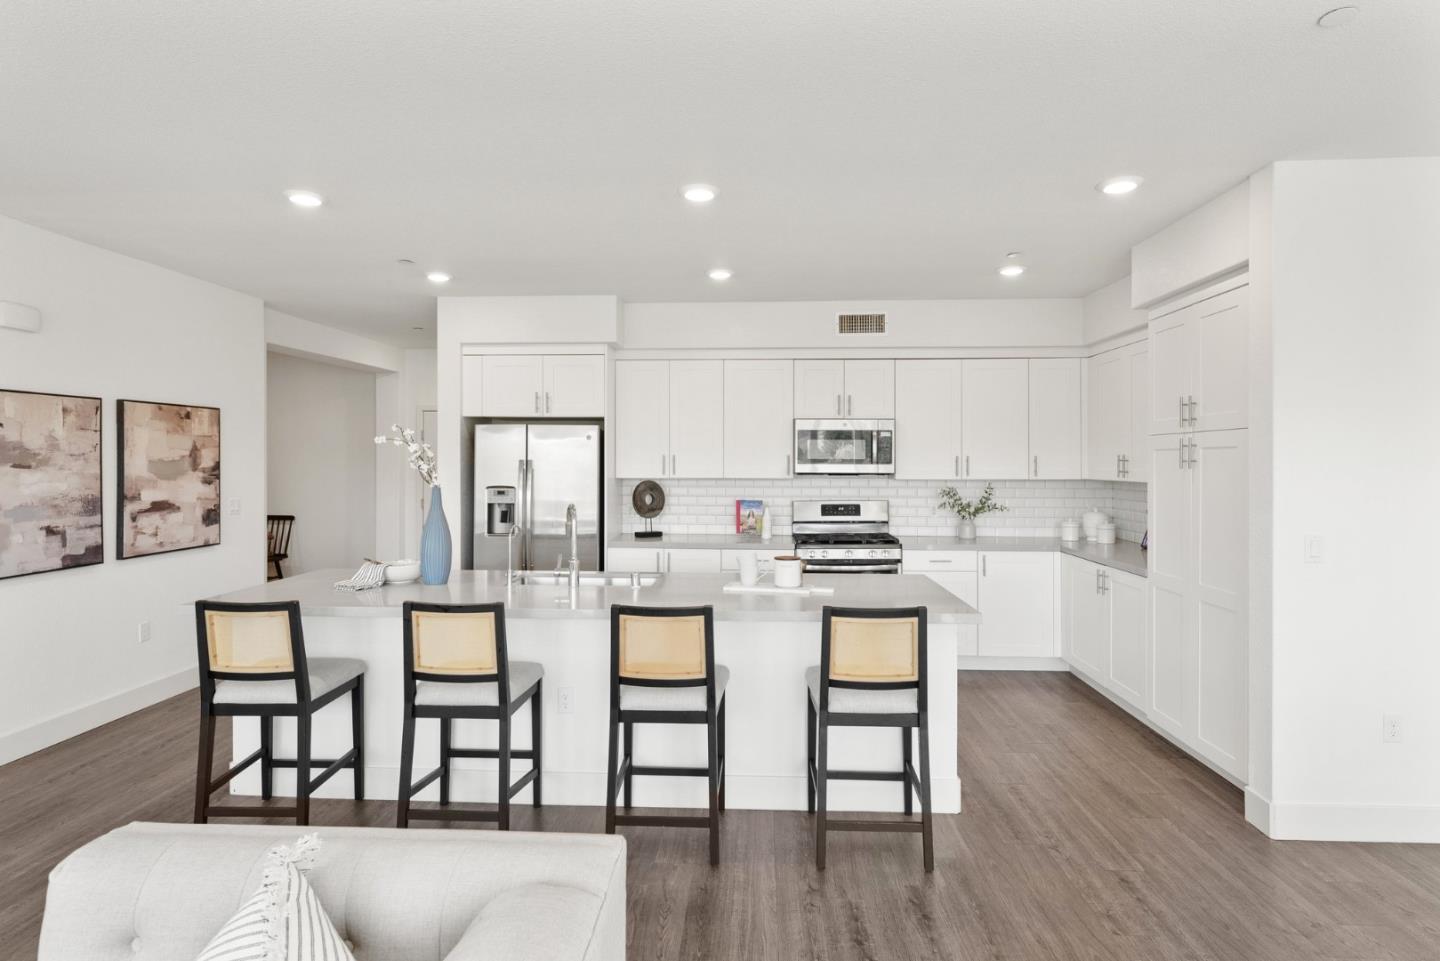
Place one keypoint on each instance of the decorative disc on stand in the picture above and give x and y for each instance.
(648, 501)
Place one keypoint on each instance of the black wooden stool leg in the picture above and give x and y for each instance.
(357, 733)
(302, 768)
(927, 832)
(821, 763)
(267, 757)
(504, 753)
(407, 760)
(712, 726)
(628, 758)
(537, 738)
(722, 754)
(205, 763)
(611, 771)
(445, 734)
(810, 753)
(905, 765)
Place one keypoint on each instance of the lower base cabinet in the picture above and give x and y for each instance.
(958, 573)
(1105, 628)
(1016, 600)
(650, 561)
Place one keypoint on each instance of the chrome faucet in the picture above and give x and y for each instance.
(572, 531)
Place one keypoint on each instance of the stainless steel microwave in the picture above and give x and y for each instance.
(835, 446)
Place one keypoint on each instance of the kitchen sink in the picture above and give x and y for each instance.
(587, 579)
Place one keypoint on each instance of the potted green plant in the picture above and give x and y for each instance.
(968, 510)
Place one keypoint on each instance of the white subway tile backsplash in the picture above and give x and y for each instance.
(1036, 508)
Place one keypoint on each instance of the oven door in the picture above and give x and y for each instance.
(844, 447)
(859, 566)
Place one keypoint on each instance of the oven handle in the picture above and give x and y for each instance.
(851, 568)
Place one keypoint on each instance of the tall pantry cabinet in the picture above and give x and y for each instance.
(1198, 466)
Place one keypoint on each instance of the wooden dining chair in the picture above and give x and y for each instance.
(278, 542)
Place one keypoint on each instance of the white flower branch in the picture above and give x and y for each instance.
(421, 456)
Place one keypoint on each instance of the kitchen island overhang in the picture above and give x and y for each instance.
(766, 641)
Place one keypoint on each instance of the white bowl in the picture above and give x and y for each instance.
(403, 572)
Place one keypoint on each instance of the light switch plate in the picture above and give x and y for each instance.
(232, 506)
(144, 632)
(1314, 549)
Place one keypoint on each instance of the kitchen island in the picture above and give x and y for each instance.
(767, 641)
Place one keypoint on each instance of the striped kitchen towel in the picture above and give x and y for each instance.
(371, 574)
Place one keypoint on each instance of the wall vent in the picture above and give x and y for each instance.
(862, 324)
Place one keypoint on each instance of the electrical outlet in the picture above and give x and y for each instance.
(565, 700)
(1391, 732)
(232, 506)
(1314, 549)
(144, 631)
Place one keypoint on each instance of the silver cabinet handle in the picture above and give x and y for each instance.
(957, 465)
(941, 560)
(967, 465)
(984, 567)
(1180, 398)
(1036, 461)
(673, 471)
(1194, 447)
(849, 405)
(1097, 580)
(838, 409)
(662, 465)
(787, 465)
(659, 562)
(1182, 453)
(547, 402)
(537, 402)
(1190, 403)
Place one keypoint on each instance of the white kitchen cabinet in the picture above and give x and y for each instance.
(1017, 603)
(512, 385)
(819, 389)
(1087, 617)
(1117, 419)
(1199, 373)
(870, 388)
(927, 419)
(642, 418)
(574, 385)
(472, 380)
(692, 562)
(1057, 424)
(1129, 637)
(759, 418)
(697, 418)
(995, 420)
(1197, 587)
(627, 559)
(1106, 632)
(956, 571)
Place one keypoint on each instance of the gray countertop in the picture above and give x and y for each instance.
(1122, 555)
(318, 597)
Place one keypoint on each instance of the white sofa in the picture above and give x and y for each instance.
(158, 892)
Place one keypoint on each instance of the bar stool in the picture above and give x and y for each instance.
(875, 676)
(457, 667)
(663, 671)
(253, 664)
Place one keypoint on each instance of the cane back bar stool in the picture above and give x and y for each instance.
(663, 671)
(457, 667)
(872, 673)
(253, 664)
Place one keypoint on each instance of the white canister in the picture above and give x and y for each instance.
(1105, 534)
(787, 570)
(749, 568)
(1070, 530)
(1092, 519)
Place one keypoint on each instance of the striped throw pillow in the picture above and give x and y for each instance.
(283, 920)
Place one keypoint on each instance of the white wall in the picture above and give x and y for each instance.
(1108, 314)
(322, 460)
(1356, 340)
(298, 337)
(116, 327)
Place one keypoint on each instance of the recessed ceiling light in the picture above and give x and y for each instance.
(304, 198)
(720, 273)
(1338, 17)
(405, 262)
(438, 277)
(698, 193)
(1012, 270)
(417, 328)
(1120, 186)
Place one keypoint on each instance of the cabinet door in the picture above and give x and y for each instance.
(1137, 460)
(627, 559)
(1170, 704)
(1017, 601)
(692, 562)
(512, 385)
(1219, 546)
(574, 385)
(1109, 414)
(870, 388)
(1087, 620)
(927, 419)
(642, 418)
(697, 418)
(1221, 369)
(1056, 424)
(759, 418)
(472, 380)
(964, 585)
(819, 388)
(1129, 641)
(1170, 372)
(995, 419)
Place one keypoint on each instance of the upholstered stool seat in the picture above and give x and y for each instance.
(326, 674)
(849, 700)
(523, 676)
(635, 698)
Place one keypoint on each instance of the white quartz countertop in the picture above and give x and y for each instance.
(318, 597)
(1122, 555)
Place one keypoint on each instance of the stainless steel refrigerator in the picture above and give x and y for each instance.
(526, 475)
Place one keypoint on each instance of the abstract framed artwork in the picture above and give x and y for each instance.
(169, 492)
(50, 486)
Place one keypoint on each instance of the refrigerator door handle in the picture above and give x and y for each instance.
(520, 512)
(530, 512)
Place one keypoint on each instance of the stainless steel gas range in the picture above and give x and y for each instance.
(849, 537)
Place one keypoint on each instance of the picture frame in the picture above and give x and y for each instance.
(168, 486)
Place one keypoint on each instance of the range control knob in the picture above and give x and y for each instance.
(874, 553)
(849, 553)
(824, 553)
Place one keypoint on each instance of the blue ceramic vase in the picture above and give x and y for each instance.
(435, 543)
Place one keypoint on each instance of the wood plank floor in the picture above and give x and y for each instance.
(1084, 837)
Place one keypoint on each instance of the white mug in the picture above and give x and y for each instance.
(787, 571)
(749, 568)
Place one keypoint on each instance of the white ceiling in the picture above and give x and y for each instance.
(862, 149)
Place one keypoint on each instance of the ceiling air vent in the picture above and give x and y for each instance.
(862, 324)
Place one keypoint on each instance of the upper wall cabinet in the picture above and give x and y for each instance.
(1056, 421)
(697, 418)
(1117, 415)
(759, 418)
(669, 418)
(927, 419)
(844, 388)
(1199, 370)
(533, 385)
(995, 419)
